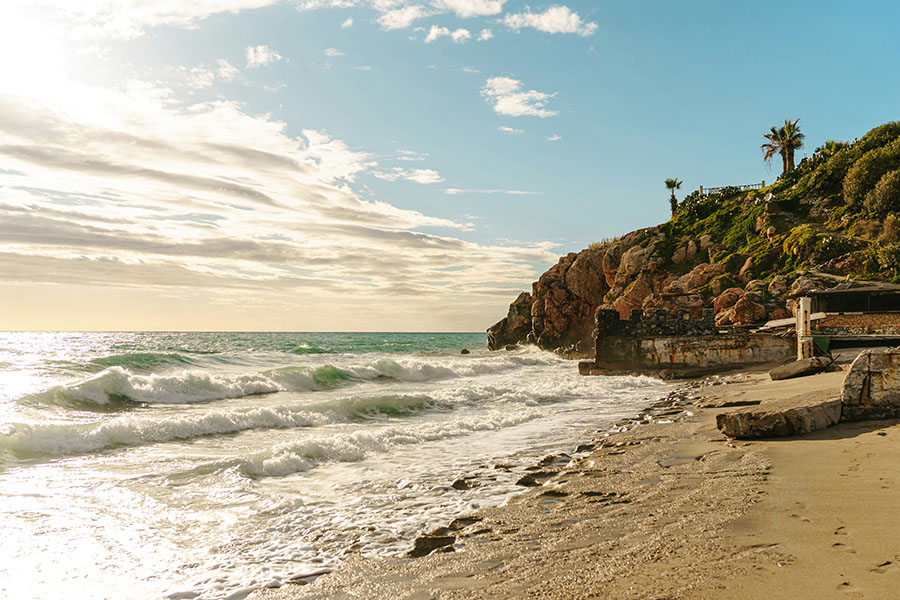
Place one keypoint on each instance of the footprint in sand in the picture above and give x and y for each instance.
(882, 568)
(804, 519)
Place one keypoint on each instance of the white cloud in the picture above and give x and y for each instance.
(202, 77)
(127, 19)
(554, 138)
(401, 18)
(556, 19)
(258, 56)
(348, 23)
(508, 99)
(458, 191)
(333, 52)
(485, 35)
(411, 155)
(469, 70)
(435, 33)
(363, 68)
(470, 8)
(510, 130)
(145, 193)
(226, 71)
(423, 176)
(459, 36)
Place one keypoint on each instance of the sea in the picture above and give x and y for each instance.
(209, 465)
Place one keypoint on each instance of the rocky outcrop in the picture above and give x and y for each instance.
(515, 327)
(642, 271)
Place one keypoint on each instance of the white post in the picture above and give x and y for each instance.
(804, 337)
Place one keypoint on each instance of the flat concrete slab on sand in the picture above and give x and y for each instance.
(789, 416)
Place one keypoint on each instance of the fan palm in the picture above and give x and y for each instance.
(673, 184)
(783, 140)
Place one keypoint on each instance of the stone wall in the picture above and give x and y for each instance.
(654, 323)
(685, 347)
(871, 389)
(858, 324)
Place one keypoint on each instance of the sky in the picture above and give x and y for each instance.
(383, 165)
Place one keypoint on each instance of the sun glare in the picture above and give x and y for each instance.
(33, 60)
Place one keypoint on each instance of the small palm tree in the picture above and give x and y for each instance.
(784, 141)
(673, 184)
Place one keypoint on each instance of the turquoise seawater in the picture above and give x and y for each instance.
(207, 465)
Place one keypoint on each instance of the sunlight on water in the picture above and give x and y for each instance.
(207, 465)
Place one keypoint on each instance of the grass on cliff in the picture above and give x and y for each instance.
(836, 212)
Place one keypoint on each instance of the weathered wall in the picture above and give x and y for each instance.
(656, 341)
(714, 351)
(858, 324)
(871, 389)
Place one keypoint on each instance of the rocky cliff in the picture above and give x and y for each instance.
(740, 253)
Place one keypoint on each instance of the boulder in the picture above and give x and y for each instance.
(426, 544)
(757, 285)
(800, 368)
(744, 274)
(793, 416)
(778, 286)
(515, 327)
(727, 299)
(805, 284)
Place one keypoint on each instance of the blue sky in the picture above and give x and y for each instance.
(383, 164)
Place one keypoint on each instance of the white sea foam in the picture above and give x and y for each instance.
(188, 386)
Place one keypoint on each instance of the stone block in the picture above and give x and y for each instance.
(794, 416)
(799, 368)
(871, 389)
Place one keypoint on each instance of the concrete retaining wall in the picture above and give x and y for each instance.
(686, 355)
(871, 389)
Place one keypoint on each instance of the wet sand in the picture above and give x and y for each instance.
(674, 510)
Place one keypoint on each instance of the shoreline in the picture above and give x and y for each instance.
(672, 510)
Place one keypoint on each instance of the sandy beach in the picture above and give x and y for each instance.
(673, 509)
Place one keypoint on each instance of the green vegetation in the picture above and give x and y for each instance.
(837, 211)
(783, 140)
(672, 184)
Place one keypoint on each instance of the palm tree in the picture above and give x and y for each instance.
(673, 184)
(783, 140)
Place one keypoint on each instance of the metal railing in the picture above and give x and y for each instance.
(716, 190)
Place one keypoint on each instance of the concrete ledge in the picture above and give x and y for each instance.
(871, 389)
(793, 416)
(800, 368)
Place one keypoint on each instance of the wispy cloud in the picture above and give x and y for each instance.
(485, 35)
(508, 99)
(334, 52)
(148, 193)
(348, 23)
(510, 130)
(423, 176)
(458, 191)
(470, 8)
(411, 155)
(123, 19)
(554, 138)
(556, 19)
(258, 56)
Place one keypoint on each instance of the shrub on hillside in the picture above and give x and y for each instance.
(879, 137)
(868, 170)
(885, 197)
(889, 256)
